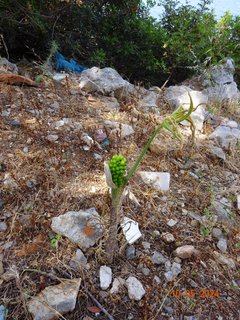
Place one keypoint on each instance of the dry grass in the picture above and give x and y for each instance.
(52, 178)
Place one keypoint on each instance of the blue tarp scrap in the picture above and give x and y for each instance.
(61, 64)
(3, 312)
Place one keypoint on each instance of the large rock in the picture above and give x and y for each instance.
(219, 82)
(7, 67)
(55, 300)
(178, 96)
(106, 81)
(82, 227)
(149, 101)
(227, 137)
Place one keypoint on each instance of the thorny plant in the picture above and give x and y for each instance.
(117, 181)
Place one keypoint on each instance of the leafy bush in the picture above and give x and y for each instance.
(121, 34)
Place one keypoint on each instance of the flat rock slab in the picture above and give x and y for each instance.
(157, 180)
(55, 300)
(82, 227)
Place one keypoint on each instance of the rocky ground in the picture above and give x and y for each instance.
(54, 141)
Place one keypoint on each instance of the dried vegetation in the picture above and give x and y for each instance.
(41, 179)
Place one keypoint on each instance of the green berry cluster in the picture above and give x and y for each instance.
(117, 167)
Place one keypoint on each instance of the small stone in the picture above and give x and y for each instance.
(158, 258)
(117, 283)
(222, 244)
(97, 156)
(59, 124)
(55, 105)
(168, 301)
(190, 318)
(177, 260)
(146, 245)
(168, 265)
(169, 276)
(157, 279)
(14, 123)
(192, 283)
(217, 233)
(60, 76)
(105, 277)
(130, 316)
(238, 201)
(224, 260)
(176, 269)
(87, 139)
(156, 233)
(218, 152)
(185, 252)
(168, 310)
(5, 113)
(3, 226)
(135, 289)
(79, 260)
(171, 223)
(52, 137)
(232, 124)
(146, 271)
(131, 252)
(9, 182)
(168, 237)
(195, 216)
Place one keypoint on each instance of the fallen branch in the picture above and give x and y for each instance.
(99, 304)
(15, 79)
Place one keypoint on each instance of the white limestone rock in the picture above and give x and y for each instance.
(117, 283)
(135, 289)
(106, 81)
(83, 227)
(54, 300)
(105, 275)
(157, 180)
(225, 136)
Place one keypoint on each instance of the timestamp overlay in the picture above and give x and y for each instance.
(196, 293)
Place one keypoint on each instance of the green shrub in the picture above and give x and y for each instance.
(121, 34)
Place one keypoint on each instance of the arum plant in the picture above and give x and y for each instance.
(117, 180)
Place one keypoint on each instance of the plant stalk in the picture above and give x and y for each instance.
(115, 217)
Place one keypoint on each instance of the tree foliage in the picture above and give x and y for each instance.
(123, 35)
